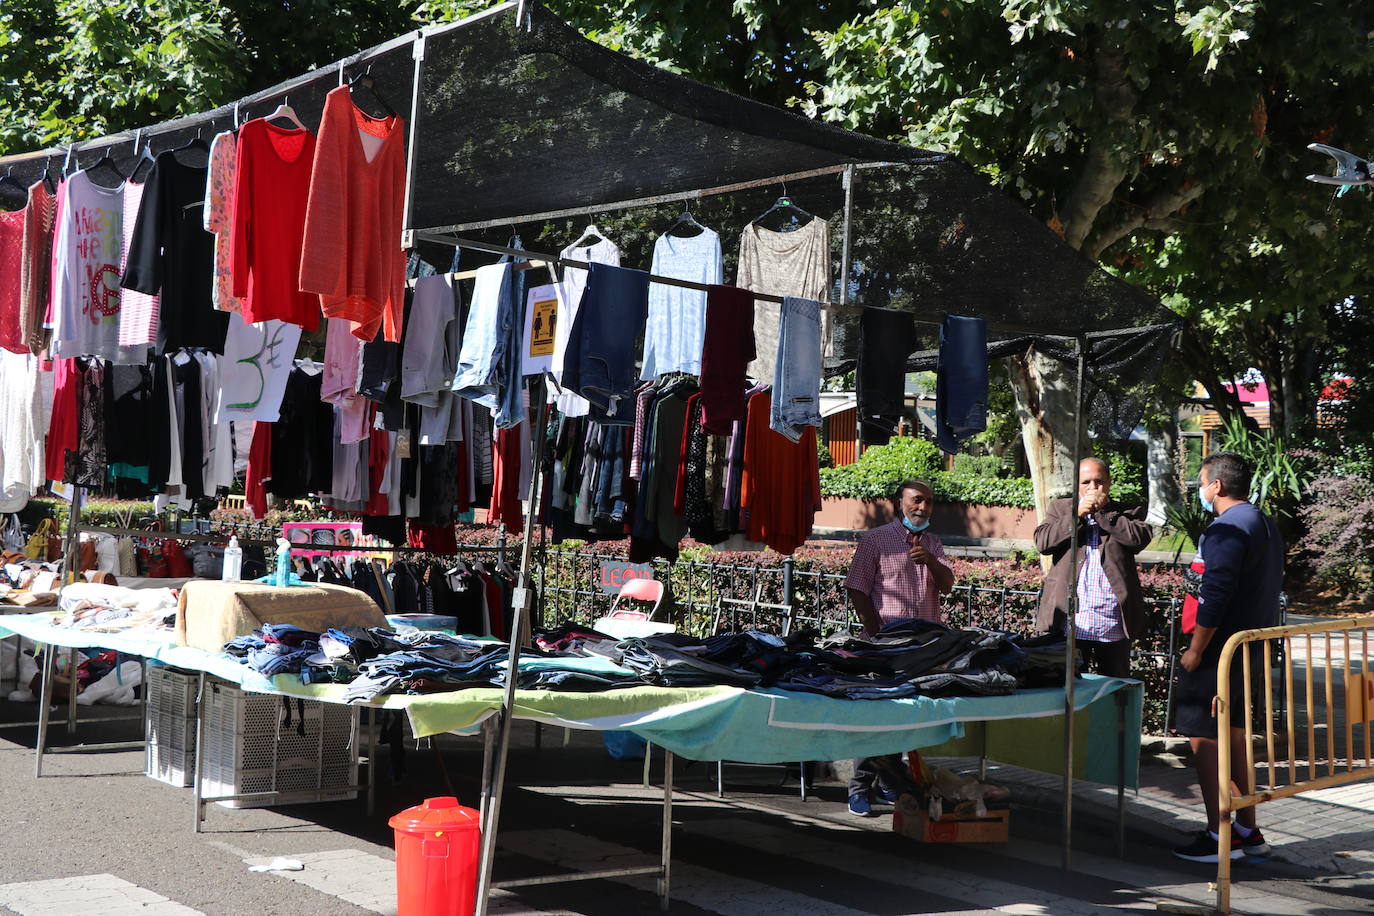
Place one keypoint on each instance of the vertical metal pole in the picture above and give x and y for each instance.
(1070, 622)
(488, 733)
(412, 149)
(198, 790)
(71, 555)
(665, 883)
(520, 605)
(846, 262)
(44, 701)
(787, 595)
(72, 666)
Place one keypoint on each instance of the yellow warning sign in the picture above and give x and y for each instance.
(544, 319)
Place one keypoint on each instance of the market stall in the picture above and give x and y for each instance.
(435, 428)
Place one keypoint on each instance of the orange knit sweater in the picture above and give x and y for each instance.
(352, 254)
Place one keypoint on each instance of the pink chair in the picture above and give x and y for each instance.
(649, 590)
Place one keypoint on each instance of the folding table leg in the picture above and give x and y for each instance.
(665, 882)
(71, 691)
(44, 699)
(197, 791)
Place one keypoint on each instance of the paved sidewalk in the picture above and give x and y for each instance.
(1327, 830)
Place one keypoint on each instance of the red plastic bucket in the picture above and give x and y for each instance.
(437, 850)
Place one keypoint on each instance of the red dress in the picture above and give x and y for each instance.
(781, 486)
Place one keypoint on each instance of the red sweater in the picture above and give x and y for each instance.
(352, 255)
(271, 188)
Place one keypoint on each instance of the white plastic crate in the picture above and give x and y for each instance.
(170, 750)
(249, 747)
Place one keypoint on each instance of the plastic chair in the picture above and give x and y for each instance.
(650, 590)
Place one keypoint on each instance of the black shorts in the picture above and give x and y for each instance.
(1194, 690)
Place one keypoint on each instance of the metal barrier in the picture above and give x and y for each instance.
(1339, 680)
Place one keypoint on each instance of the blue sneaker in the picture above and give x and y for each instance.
(859, 806)
(887, 796)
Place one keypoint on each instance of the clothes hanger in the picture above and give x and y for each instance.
(793, 217)
(685, 220)
(592, 231)
(49, 180)
(146, 156)
(284, 110)
(196, 143)
(365, 80)
(106, 162)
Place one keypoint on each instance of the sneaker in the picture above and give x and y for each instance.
(887, 797)
(1203, 848)
(859, 806)
(1252, 845)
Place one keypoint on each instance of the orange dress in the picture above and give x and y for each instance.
(352, 255)
(781, 484)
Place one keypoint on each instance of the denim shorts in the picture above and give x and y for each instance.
(797, 370)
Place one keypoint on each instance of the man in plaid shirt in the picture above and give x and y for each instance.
(1111, 609)
(898, 573)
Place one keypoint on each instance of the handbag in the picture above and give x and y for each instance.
(178, 564)
(1192, 585)
(43, 545)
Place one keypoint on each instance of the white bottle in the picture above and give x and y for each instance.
(233, 561)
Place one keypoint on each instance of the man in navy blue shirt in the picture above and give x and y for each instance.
(1242, 554)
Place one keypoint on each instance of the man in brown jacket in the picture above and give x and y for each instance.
(1111, 611)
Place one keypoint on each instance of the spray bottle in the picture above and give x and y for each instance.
(233, 561)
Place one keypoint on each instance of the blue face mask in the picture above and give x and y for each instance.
(1206, 503)
(913, 527)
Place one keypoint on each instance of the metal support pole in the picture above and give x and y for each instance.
(412, 147)
(520, 603)
(665, 882)
(1070, 621)
(198, 790)
(787, 595)
(71, 690)
(71, 554)
(44, 701)
(846, 262)
(488, 733)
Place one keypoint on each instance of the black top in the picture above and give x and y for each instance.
(1243, 556)
(171, 254)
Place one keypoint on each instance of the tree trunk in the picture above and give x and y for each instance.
(1164, 469)
(1044, 390)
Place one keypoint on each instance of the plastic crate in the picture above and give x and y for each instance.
(170, 749)
(250, 747)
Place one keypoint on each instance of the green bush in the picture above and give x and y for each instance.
(953, 487)
(881, 468)
(979, 465)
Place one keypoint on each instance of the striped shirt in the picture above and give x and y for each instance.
(898, 588)
(1099, 614)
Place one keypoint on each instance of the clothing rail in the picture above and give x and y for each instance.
(158, 534)
(413, 235)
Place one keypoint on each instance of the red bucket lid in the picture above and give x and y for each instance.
(437, 815)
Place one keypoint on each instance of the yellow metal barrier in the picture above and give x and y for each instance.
(1342, 646)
